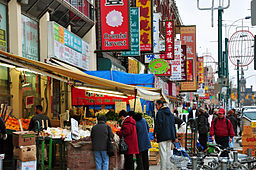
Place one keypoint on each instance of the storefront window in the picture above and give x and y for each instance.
(31, 81)
(4, 80)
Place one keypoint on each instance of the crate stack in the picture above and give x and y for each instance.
(154, 153)
(249, 139)
(25, 150)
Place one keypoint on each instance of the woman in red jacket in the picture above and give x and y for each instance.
(128, 131)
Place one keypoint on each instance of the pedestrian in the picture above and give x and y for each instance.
(203, 128)
(3, 135)
(128, 131)
(165, 133)
(142, 129)
(222, 129)
(33, 126)
(193, 113)
(234, 121)
(100, 135)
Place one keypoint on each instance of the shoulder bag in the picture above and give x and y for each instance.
(123, 147)
(110, 143)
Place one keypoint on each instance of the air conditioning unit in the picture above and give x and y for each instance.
(24, 2)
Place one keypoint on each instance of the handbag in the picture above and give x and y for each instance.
(110, 147)
(123, 147)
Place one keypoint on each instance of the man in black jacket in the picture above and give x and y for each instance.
(40, 117)
(99, 137)
(193, 113)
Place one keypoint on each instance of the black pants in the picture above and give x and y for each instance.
(128, 162)
(203, 138)
(224, 142)
(142, 160)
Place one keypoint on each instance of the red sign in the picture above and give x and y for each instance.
(200, 61)
(169, 40)
(115, 25)
(189, 70)
(146, 42)
(81, 97)
(183, 63)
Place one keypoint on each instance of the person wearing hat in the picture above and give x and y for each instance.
(221, 129)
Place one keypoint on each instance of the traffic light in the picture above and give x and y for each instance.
(232, 96)
(253, 96)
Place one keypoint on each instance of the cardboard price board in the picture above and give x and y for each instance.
(138, 107)
(120, 106)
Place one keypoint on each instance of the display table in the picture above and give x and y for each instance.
(83, 157)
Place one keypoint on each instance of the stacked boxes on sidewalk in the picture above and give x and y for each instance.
(154, 153)
(249, 139)
(25, 150)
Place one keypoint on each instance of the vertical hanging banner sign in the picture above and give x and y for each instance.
(146, 42)
(169, 40)
(183, 62)
(135, 33)
(156, 18)
(200, 70)
(115, 25)
(176, 63)
(188, 38)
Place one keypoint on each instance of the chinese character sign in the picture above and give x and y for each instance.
(200, 62)
(183, 63)
(3, 28)
(156, 18)
(135, 33)
(169, 40)
(176, 63)
(115, 25)
(188, 38)
(145, 24)
(189, 70)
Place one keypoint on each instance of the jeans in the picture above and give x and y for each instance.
(102, 160)
(165, 153)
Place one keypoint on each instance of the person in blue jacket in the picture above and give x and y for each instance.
(143, 140)
(165, 133)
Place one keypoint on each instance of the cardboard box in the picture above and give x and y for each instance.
(24, 138)
(249, 140)
(247, 130)
(25, 153)
(30, 165)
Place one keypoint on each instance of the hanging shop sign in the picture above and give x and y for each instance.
(133, 66)
(169, 71)
(146, 42)
(115, 25)
(183, 62)
(150, 57)
(29, 29)
(188, 38)
(67, 47)
(200, 62)
(169, 40)
(176, 63)
(135, 33)
(158, 66)
(156, 18)
(3, 28)
(160, 84)
(81, 97)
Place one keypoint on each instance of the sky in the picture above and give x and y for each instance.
(207, 36)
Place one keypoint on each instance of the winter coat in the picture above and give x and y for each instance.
(99, 136)
(221, 128)
(234, 122)
(202, 123)
(128, 131)
(165, 125)
(142, 133)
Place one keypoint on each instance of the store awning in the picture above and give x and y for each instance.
(58, 72)
(63, 13)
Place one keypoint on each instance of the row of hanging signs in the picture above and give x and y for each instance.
(133, 30)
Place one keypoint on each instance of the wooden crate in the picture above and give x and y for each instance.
(153, 158)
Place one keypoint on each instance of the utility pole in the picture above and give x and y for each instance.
(227, 72)
(220, 58)
(238, 84)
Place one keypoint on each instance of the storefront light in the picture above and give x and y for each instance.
(27, 70)
(99, 90)
(7, 65)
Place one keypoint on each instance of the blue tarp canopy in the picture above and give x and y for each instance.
(145, 80)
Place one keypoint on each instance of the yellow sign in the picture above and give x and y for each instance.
(253, 124)
(120, 106)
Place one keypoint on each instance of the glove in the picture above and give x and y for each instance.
(4, 136)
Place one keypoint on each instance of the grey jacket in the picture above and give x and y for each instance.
(99, 136)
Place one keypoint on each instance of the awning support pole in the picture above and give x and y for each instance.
(135, 94)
